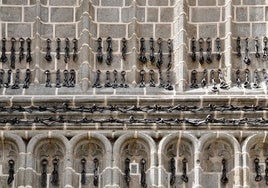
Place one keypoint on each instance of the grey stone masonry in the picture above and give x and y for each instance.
(150, 93)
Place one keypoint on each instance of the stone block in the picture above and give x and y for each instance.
(236, 2)
(140, 14)
(112, 3)
(108, 15)
(157, 3)
(62, 14)
(62, 2)
(19, 30)
(65, 30)
(44, 14)
(152, 14)
(163, 31)
(241, 14)
(11, 14)
(241, 29)
(256, 14)
(112, 30)
(207, 3)
(166, 14)
(206, 30)
(254, 2)
(259, 29)
(44, 2)
(14, 2)
(201, 14)
(145, 30)
(29, 13)
(127, 14)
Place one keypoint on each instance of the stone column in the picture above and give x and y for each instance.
(179, 43)
(85, 50)
(228, 41)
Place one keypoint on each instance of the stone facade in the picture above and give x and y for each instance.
(98, 131)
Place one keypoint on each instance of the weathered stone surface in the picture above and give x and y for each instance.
(241, 14)
(19, 30)
(108, 15)
(11, 14)
(201, 14)
(113, 30)
(256, 14)
(65, 30)
(62, 15)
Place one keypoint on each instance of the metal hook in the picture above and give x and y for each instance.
(75, 50)
(109, 57)
(209, 51)
(58, 49)
(2, 72)
(83, 172)
(246, 58)
(29, 55)
(55, 174)
(11, 171)
(66, 78)
(97, 82)
(257, 170)
(7, 83)
(142, 57)
(247, 81)
(194, 79)
(127, 171)
(21, 53)
(115, 84)
(173, 171)
(257, 54)
(3, 55)
(58, 81)
(160, 54)
(48, 56)
(169, 55)
(151, 82)
(238, 47)
(224, 178)
(27, 80)
(48, 78)
(99, 50)
(143, 174)
(96, 176)
(152, 57)
(204, 78)
(124, 48)
(44, 164)
(12, 53)
(184, 170)
(223, 84)
(123, 79)
(201, 58)
(107, 81)
(142, 78)
(17, 80)
(193, 47)
(218, 46)
(238, 80)
(265, 49)
(67, 50)
(213, 81)
(256, 79)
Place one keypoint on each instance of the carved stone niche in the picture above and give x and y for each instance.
(211, 157)
(8, 151)
(135, 150)
(88, 150)
(49, 150)
(179, 150)
(258, 150)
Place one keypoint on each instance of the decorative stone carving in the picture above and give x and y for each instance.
(212, 156)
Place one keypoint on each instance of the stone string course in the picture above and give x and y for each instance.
(203, 145)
